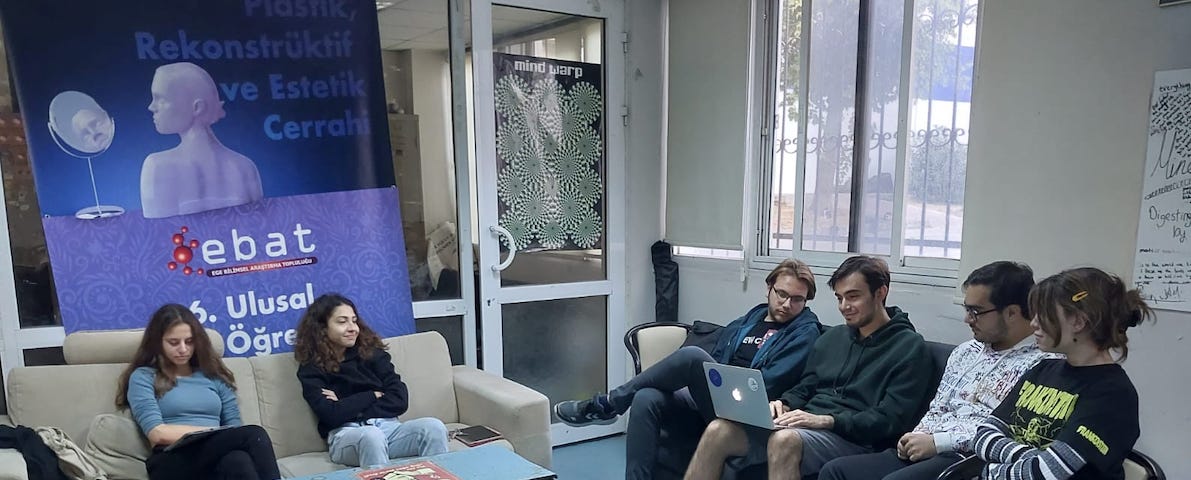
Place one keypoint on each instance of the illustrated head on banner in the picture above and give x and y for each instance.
(83, 129)
(95, 128)
(79, 122)
(186, 103)
(184, 98)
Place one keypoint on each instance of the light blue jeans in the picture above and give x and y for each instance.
(374, 441)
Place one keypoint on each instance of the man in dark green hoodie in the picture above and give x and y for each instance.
(861, 389)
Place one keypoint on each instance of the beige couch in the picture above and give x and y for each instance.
(78, 398)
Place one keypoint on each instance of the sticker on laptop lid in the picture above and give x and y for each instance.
(714, 376)
(753, 384)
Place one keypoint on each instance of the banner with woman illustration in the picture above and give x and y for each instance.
(189, 151)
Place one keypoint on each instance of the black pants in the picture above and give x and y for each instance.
(671, 391)
(886, 466)
(236, 453)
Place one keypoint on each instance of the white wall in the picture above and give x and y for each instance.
(1055, 165)
(711, 290)
(1059, 118)
(643, 69)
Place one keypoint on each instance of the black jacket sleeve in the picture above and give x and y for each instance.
(330, 413)
(395, 400)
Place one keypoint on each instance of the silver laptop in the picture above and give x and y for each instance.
(738, 394)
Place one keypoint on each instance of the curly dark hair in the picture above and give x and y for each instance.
(314, 348)
(149, 353)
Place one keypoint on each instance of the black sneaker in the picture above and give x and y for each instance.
(581, 413)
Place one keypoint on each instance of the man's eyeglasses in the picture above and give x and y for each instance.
(976, 312)
(782, 296)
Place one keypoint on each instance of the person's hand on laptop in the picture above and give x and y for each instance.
(777, 407)
(801, 419)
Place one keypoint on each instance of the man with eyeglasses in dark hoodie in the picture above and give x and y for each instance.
(773, 337)
(862, 387)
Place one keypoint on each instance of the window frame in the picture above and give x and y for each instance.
(758, 255)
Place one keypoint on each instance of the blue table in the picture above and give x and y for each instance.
(486, 462)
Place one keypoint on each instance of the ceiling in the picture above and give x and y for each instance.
(422, 24)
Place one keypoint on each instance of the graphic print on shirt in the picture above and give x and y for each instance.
(1040, 413)
(758, 340)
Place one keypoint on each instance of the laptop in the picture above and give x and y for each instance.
(738, 394)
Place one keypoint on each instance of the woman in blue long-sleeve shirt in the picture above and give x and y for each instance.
(181, 394)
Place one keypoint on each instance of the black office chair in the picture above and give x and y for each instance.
(649, 342)
(1138, 466)
(966, 469)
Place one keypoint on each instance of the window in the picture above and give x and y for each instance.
(837, 71)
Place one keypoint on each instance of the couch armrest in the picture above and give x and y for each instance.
(518, 412)
(12, 465)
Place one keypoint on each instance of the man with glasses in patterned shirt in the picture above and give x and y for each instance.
(773, 337)
(979, 374)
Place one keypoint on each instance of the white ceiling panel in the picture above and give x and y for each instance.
(433, 6)
(399, 17)
(408, 33)
(439, 36)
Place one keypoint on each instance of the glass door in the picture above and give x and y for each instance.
(550, 172)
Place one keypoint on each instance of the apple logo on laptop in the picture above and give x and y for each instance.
(736, 394)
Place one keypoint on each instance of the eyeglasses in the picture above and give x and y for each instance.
(975, 312)
(782, 296)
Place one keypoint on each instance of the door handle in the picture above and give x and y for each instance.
(500, 231)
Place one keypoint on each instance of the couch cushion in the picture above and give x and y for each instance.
(246, 398)
(424, 363)
(112, 346)
(63, 396)
(305, 464)
(285, 415)
(115, 443)
(12, 465)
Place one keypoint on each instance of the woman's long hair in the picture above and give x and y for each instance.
(314, 348)
(150, 353)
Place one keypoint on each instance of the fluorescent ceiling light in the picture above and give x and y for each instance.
(383, 5)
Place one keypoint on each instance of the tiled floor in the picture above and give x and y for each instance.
(599, 459)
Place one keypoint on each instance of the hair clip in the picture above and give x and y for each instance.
(1082, 294)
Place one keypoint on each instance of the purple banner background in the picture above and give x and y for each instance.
(113, 273)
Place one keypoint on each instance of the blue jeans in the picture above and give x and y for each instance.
(374, 441)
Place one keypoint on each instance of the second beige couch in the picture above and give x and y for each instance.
(79, 399)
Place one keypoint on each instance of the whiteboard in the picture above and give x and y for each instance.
(1162, 263)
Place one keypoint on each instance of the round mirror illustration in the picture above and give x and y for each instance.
(82, 129)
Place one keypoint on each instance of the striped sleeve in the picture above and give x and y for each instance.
(993, 443)
(1011, 460)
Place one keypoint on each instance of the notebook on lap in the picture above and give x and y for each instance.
(738, 394)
